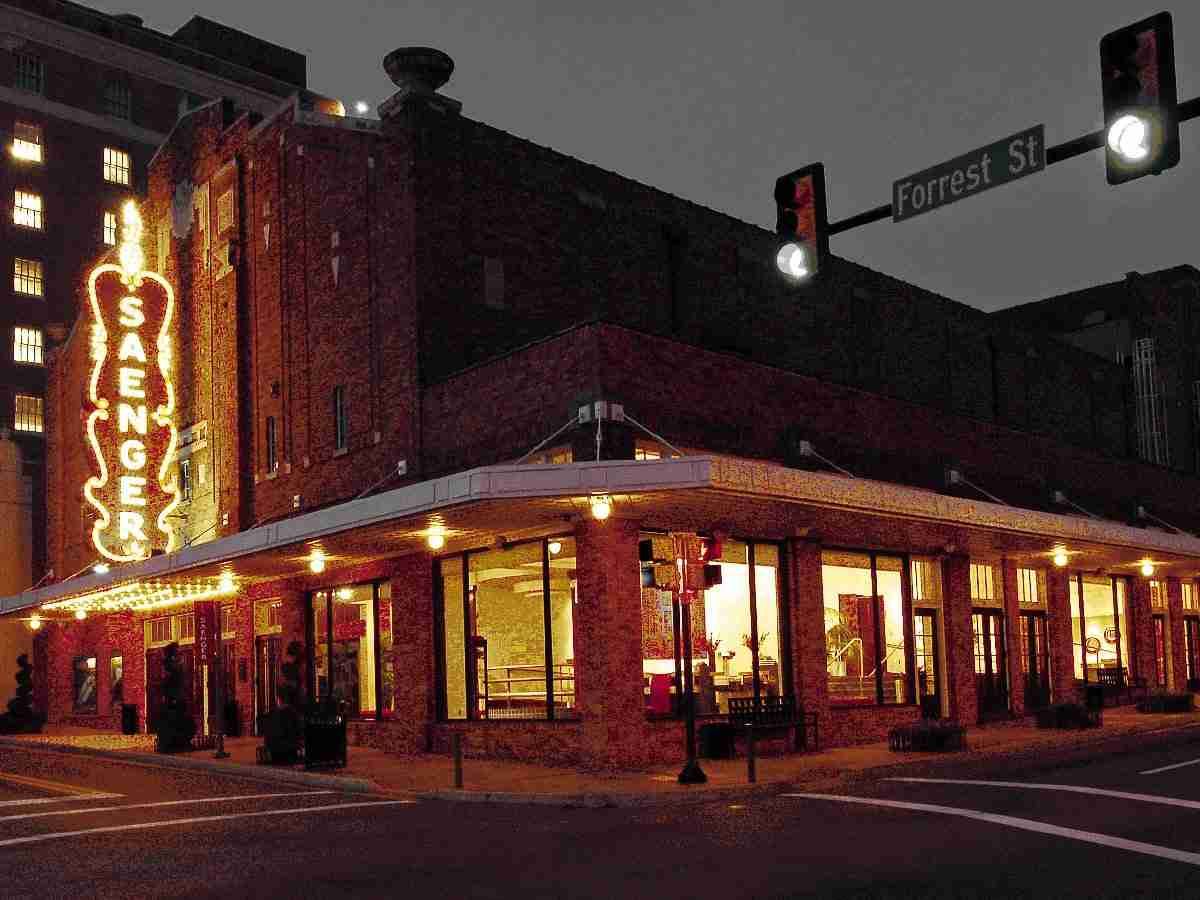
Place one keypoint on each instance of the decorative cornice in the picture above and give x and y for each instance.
(57, 110)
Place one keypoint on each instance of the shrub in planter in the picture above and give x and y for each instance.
(20, 718)
(928, 735)
(283, 729)
(1167, 703)
(1067, 715)
(175, 727)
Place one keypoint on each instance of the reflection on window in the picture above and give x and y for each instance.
(1099, 613)
(735, 636)
(508, 644)
(866, 650)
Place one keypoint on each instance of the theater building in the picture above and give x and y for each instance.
(422, 386)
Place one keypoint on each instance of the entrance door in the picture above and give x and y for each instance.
(1036, 654)
(266, 677)
(154, 682)
(991, 669)
(1191, 644)
(925, 654)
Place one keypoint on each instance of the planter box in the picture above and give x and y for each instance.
(1068, 715)
(927, 736)
(1167, 703)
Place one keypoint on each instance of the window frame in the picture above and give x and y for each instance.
(34, 276)
(341, 419)
(552, 714)
(39, 413)
(30, 68)
(34, 213)
(907, 618)
(108, 228)
(117, 99)
(272, 446)
(185, 480)
(117, 166)
(31, 130)
(311, 649)
(30, 347)
(1125, 632)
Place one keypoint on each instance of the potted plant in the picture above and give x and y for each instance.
(283, 729)
(21, 718)
(175, 727)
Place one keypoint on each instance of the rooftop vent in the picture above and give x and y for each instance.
(418, 72)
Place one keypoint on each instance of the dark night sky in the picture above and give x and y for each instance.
(713, 100)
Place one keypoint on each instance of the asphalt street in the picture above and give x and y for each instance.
(1115, 826)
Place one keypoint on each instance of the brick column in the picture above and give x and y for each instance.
(806, 615)
(243, 655)
(608, 643)
(960, 654)
(293, 628)
(412, 653)
(1142, 659)
(1012, 630)
(1177, 668)
(1058, 633)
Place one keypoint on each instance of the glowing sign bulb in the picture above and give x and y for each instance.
(1129, 138)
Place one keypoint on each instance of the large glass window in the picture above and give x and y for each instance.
(736, 649)
(507, 627)
(1099, 628)
(351, 661)
(866, 639)
(84, 697)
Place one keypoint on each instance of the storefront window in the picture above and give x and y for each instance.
(735, 636)
(352, 652)
(866, 643)
(508, 646)
(85, 684)
(1099, 617)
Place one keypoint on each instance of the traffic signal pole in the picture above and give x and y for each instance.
(1189, 109)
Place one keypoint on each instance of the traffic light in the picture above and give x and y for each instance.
(1141, 123)
(802, 222)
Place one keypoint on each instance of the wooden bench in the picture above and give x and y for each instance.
(773, 713)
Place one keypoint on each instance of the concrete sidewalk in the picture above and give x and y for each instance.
(490, 780)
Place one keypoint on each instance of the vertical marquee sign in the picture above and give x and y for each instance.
(130, 420)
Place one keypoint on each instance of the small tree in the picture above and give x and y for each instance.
(20, 716)
(176, 728)
(283, 732)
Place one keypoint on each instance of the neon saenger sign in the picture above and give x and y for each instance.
(130, 420)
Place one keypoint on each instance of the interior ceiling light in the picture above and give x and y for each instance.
(555, 547)
(345, 593)
(601, 506)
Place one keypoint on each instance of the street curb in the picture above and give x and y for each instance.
(608, 800)
(348, 783)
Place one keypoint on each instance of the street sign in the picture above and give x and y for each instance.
(972, 173)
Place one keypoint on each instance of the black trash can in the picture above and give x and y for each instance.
(716, 740)
(1095, 696)
(129, 718)
(233, 727)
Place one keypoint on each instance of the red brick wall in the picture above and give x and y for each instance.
(960, 660)
(1058, 632)
(1175, 640)
(807, 619)
(1015, 650)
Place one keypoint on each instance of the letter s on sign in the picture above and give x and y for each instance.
(1016, 156)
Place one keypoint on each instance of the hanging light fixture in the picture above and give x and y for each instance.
(1060, 556)
(35, 622)
(316, 562)
(601, 507)
(435, 537)
(1147, 567)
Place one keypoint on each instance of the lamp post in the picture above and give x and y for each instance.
(691, 773)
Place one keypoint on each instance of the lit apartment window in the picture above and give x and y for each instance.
(118, 100)
(27, 142)
(272, 451)
(116, 166)
(28, 415)
(27, 277)
(27, 345)
(110, 228)
(31, 74)
(341, 418)
(27, 209)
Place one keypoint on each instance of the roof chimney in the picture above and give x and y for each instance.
(418, 72)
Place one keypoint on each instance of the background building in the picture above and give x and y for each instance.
(85, 99)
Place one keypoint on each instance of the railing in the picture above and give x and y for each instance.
(509, 688)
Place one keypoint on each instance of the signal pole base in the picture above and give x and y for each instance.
(692, 773)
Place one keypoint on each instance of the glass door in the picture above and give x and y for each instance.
(925, 654)
(1036, 654)
(266, 676)
(991, 669)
